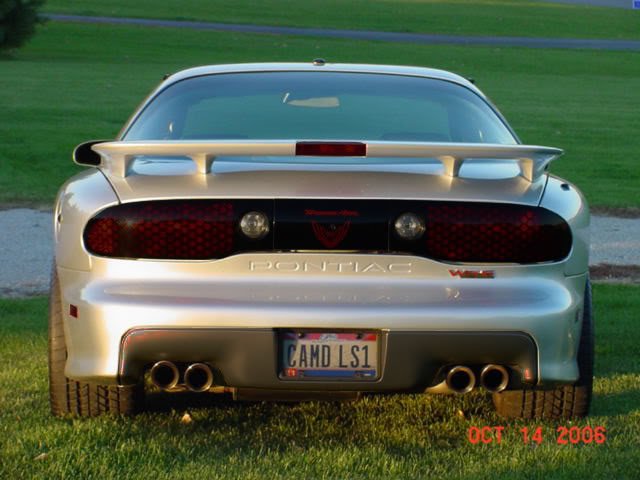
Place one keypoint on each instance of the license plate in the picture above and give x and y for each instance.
(339, 356)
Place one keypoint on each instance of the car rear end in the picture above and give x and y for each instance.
(324, 266)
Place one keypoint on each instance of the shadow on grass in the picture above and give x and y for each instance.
(625, 401)
(617, 385)
(614, 404)
(161, 402)
(399, 425)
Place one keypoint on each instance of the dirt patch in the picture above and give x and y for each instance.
(619, 212)
(615, 273)
(35, 205)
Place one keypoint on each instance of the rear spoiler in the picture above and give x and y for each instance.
(117, 157)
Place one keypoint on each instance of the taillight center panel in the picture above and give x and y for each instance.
(457, 232)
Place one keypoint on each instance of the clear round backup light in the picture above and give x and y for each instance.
(254, 225)
(410, 226)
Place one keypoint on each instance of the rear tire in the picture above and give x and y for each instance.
(80, 399)
(569, 401)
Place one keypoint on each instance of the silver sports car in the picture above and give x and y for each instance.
(302, 231)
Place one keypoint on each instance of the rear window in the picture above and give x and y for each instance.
(319, 106)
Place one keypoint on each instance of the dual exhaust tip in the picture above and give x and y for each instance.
(198, 377)
(461, 379)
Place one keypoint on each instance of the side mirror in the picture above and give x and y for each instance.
(83, 155)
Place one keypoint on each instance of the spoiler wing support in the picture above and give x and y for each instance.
(118, 156)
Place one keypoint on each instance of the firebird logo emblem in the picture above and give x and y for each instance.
(330, 236)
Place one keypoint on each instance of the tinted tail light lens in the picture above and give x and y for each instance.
(495, 233)
(455, 232)
(189, 229)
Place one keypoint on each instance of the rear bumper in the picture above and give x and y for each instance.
(248, 358)
(226, 313)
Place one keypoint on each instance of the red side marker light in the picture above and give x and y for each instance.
(331, 149)
(73, 311)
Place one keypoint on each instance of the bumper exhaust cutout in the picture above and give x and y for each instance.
(461, 379)
(198, 377)
(164, 375)
(494, 378)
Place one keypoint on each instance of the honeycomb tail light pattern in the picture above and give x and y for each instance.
(455, 232)
(175, 229)
(495, 233)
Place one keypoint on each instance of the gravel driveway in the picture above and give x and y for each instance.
(26, 248)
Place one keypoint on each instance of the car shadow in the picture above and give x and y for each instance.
(442, 421)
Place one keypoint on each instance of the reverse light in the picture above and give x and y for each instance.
(409, 226)
(254, 225)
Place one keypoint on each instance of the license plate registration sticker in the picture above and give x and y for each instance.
(339, 356)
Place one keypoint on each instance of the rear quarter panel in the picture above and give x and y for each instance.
(567, 201)
(80, 198)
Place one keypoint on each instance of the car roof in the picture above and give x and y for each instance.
(321, 66)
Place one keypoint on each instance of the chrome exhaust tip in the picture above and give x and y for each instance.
(164, 375)
(494, 378)
(198, 377)
(461, 379)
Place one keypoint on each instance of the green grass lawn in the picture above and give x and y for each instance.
(78, 82)
(453, 17)
(401, 436)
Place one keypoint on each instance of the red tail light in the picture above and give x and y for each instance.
(331, 149)
(194, 229)
(488, 233)
(209, 229)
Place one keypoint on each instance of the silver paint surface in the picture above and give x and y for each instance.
(317, 290)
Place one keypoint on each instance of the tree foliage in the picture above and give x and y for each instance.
(18, 20)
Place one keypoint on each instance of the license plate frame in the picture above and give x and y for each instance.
(335, 356)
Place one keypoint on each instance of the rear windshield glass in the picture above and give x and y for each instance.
(319, 106)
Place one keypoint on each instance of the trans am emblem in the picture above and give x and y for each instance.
(332, 235)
